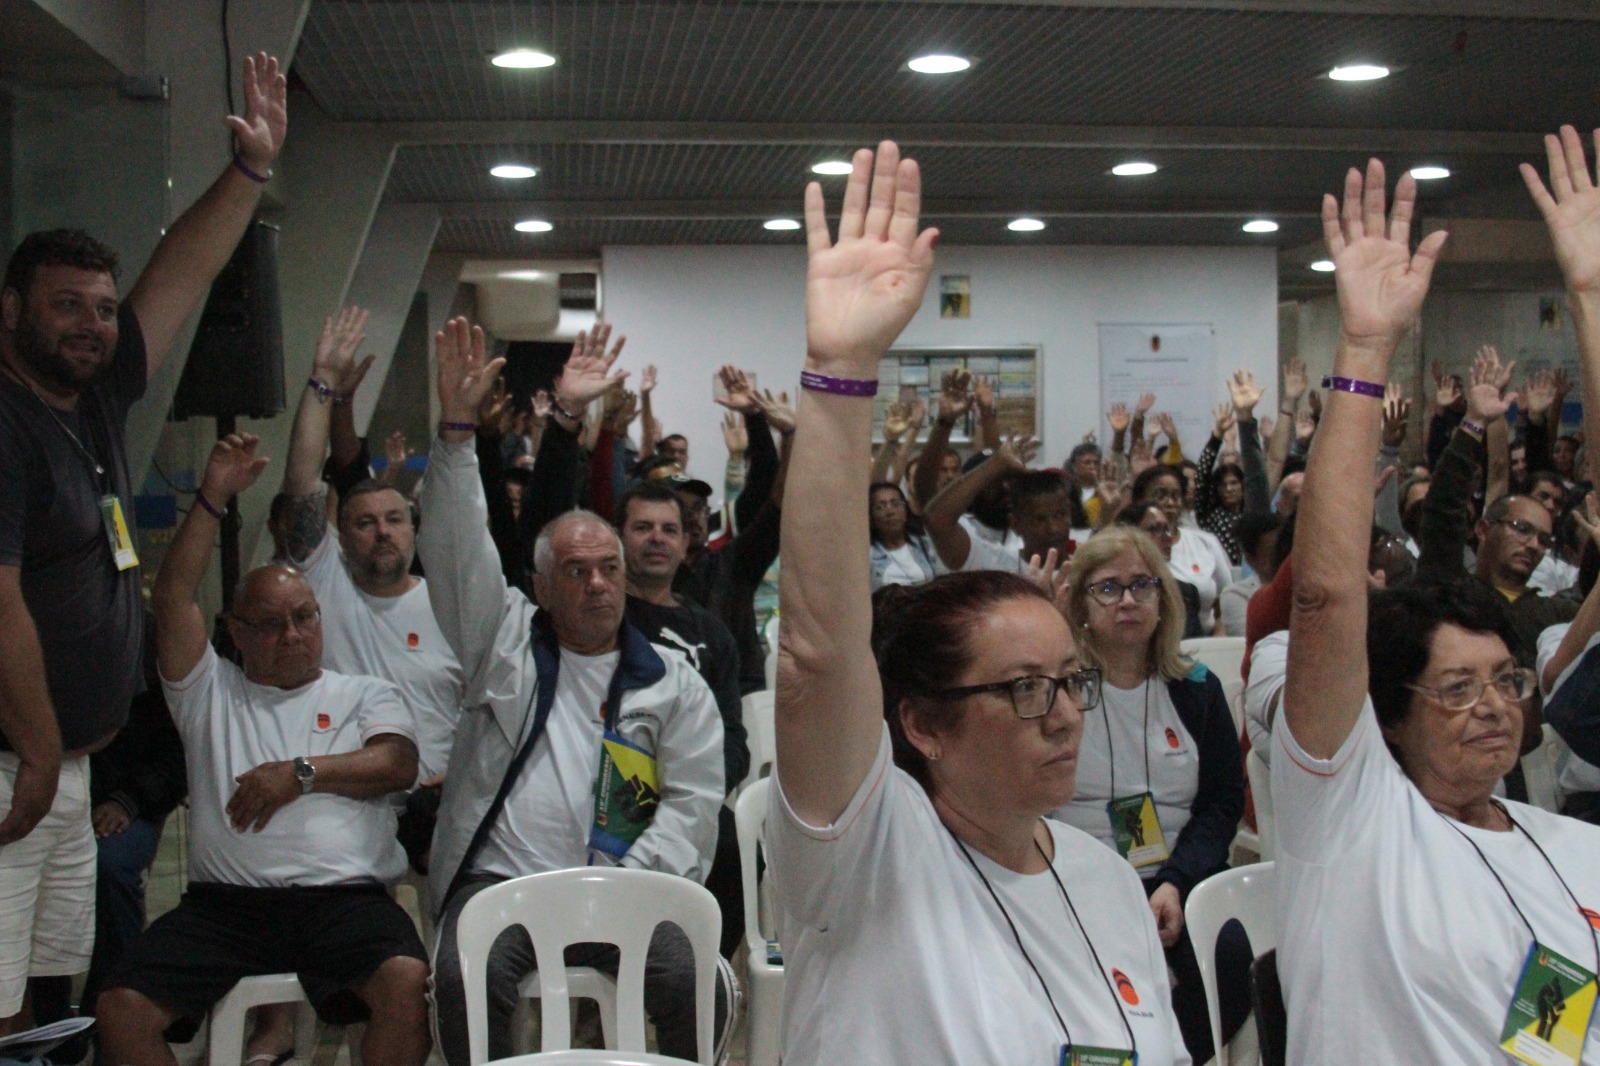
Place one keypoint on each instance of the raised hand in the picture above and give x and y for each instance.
(1571, 208)
(1111, 486)
(626, 411)
(647, 380)
(919, 415)
(1563, 386)
(1305, 426)
(1538, 394)
(259, 134)
(1448, 394)
(1119, 417)
(1140, 457)
(1294, 381)
(1017, 452)
(395, 450)
(1165, 424)
(741, 394)
(896, 420)
(587, 373)
(955, 397)
(862, 289)
(1051, 577)
(1244, 392)
(1266, 425)
(1588, 517)
(1487, 398)
(1314, 402)
(1223, 414)
(334, 363)
(539, 407)
(465, 376)
(780, 413)
(1396, 410)
(734, 433)
(983, 393)
(1146, 401)
(232, 467)
(494, 411)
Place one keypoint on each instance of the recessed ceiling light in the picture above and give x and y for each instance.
(1323, 266)
(513, 170)
(939, 64)
(1025, 225)
(533, 225)
(523, 59)
(1430, 173)
(782, 223)
(1261, 225)
(1134, 170)
(1359, 72)
(833, 167)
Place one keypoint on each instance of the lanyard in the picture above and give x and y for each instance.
(1111, 752)
(1593, 935)
(1133, 1043)
(95, 466)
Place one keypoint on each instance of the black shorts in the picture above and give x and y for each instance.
(332, 938)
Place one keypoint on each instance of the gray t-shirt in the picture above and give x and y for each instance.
(87, 612)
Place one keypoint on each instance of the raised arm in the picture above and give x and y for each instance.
(1381, 285)
(1294, 387)
(954, 400)
(202, 239)
(942, 518)
(1244, 392)
(1446, 509)
(861, 290)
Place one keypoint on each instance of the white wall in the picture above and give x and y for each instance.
(689, 310)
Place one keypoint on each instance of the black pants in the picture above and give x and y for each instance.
(1189, 993)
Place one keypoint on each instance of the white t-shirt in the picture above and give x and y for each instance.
(1117, 728)
(1552, 575)
(1004, 538)
(1198, 558)
(1263, 696)
(545, 822)
(230, 725)
(1396, 943)
(392, 637)
(987, 555)
(1235, 603)
(1572, 773)
(895, 952)
(904, 567)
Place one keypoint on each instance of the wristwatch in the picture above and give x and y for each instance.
(304, 773)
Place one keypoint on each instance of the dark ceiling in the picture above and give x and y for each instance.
(691, 122)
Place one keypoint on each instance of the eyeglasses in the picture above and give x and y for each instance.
(1109, 593)
(1033, 695)
(1463, 695)
(302, 620)
(1528, 531)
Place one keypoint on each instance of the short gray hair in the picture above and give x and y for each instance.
(544, 556)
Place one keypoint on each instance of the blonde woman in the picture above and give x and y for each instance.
(1159, 771)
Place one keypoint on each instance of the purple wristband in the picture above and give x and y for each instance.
(1472, 427)
(458, 427)
(205, 505)
(838, 386)
(259, 179)
(1360, 388)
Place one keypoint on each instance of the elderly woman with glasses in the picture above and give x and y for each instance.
(1153, 520)
(931, 912)
(1160, 779)
(1422, 918)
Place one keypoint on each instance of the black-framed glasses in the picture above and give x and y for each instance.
(1463, 695)
(1033, 695)
(1109, 593)
(1528, 531)
(302, 620)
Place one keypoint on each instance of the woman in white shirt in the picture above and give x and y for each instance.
(901, 553)
(1197, 556)
(1160, 779)
(1422, 919)
(930, 913)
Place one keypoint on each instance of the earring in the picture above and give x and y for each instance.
(933, 756)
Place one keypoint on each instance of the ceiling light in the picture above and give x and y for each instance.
(1359, 72)
(939, 64)
(534, 225)
(1025, 225)
(833, 167)
(1430, 173)
(523, 59)
(1261, 225)
(1323, 266)
(1134, 170)
(782, 223)
(513, 170)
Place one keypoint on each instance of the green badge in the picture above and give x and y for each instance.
(117, 534)
(1550, 1011)
(1081, 1055)
(627, 791)
(1137, 830)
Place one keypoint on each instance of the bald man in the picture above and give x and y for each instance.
(579, 743)
(292, 840)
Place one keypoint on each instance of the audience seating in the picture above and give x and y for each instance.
(1245, 894)
(1539, 772)
(226, 1024)
(1223, 656)
(589, 905)
(1260, 774)
(764, 1019)
(760, 733)
(583, 982)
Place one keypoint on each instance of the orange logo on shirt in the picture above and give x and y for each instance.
(412, 640)
(1593, 916)
(1195, 566)
(1172, 739)
(323, 720)
(1125, 988)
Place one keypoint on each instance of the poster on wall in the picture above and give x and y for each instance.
(915, 375)
(1176, 362)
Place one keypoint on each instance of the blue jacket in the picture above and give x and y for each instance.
(1202, 848)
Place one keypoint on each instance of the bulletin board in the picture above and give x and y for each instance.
(911, 374)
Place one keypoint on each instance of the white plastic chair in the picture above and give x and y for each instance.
(583, 982)
(584, 906)
(1248, 894)
(225, 1026)
(1223, 656)
(1260, 774)
(586, 1057)
(1539, 772)
(764, 1034)
(760, 730)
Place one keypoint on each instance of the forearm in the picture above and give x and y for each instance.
(1446, 507)
(649, 428)
(762, 472)
(1257, 497)
(552, 487)
(1278, 446)
(1585, 310)
(466, 586)
(926, 484)
(1205, 491)
(946, 509)
(1119, 442)
(1585, 624)
(346, 444)
(1497, 444)
(1387, 505)
(387, 763)
(308, 443)
(882, 462)
(988, 428)
(27, 717)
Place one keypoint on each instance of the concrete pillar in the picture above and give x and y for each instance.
(386, 280)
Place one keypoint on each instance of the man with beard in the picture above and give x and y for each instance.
(73, 360)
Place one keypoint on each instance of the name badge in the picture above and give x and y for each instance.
(1550, 1010)
(117, 534)
(1137, 830)
(1080, 1055)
